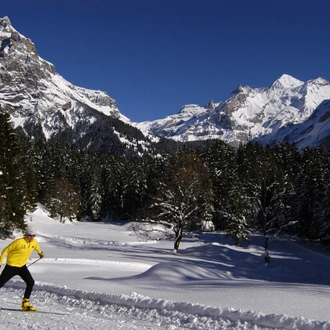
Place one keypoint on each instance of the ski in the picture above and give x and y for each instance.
(37, 311)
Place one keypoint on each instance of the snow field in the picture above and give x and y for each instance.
(106, 277)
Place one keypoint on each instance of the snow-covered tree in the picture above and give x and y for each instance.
(238, 228)
(267, 186)
(220, 159)
(63, 200)
(236, 212)
(183, 194)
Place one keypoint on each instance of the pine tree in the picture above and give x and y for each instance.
(310, 185)
(63, 200)
(95, 198)
(324, 231)
(28, 167)
(236, 212)
(116, 179)
(89, 193)
(12, 190)
(238, 229)
(220, 159)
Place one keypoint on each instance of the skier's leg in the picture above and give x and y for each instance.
(7, 273)
(28, 279)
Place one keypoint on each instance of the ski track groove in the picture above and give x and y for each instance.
(92, 310)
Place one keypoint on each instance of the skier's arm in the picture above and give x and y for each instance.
(37, 248)
(5, 252)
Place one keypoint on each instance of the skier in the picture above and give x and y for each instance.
(18, 253)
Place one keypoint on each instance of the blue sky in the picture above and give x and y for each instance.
(154, 56)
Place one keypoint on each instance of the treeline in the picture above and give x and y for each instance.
(250, 188)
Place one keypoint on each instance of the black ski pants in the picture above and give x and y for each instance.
(23, 272)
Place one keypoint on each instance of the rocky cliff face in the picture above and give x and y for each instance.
(43, 105)
(20, 63)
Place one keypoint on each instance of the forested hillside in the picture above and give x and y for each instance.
(250, 188)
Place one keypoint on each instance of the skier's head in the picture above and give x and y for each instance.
(30, 231)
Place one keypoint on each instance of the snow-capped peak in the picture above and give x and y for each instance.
(249, 113)
(5, 25)
(287, 81)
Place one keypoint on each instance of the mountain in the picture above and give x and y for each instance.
(289, 110)
(43, 105)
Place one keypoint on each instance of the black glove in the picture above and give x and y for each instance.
(41, 255)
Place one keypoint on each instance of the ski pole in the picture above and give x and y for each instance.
(33, 262)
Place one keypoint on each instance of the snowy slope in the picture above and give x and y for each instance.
(313, 132)
(108, 278)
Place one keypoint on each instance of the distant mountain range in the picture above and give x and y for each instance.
(43, 105)
(289, 110)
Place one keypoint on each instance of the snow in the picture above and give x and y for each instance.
(108, 277)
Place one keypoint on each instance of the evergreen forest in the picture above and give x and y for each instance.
(279, 190)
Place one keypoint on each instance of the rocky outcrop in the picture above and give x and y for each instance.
(43, 105)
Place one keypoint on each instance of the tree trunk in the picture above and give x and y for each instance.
(178, 239)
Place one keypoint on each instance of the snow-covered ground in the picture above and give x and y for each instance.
(108, 278)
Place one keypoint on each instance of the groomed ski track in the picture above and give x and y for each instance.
(92, 310)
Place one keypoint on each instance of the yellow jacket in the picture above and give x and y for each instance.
(19, 251)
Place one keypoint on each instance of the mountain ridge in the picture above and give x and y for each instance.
(44, 105)
(249, 114)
